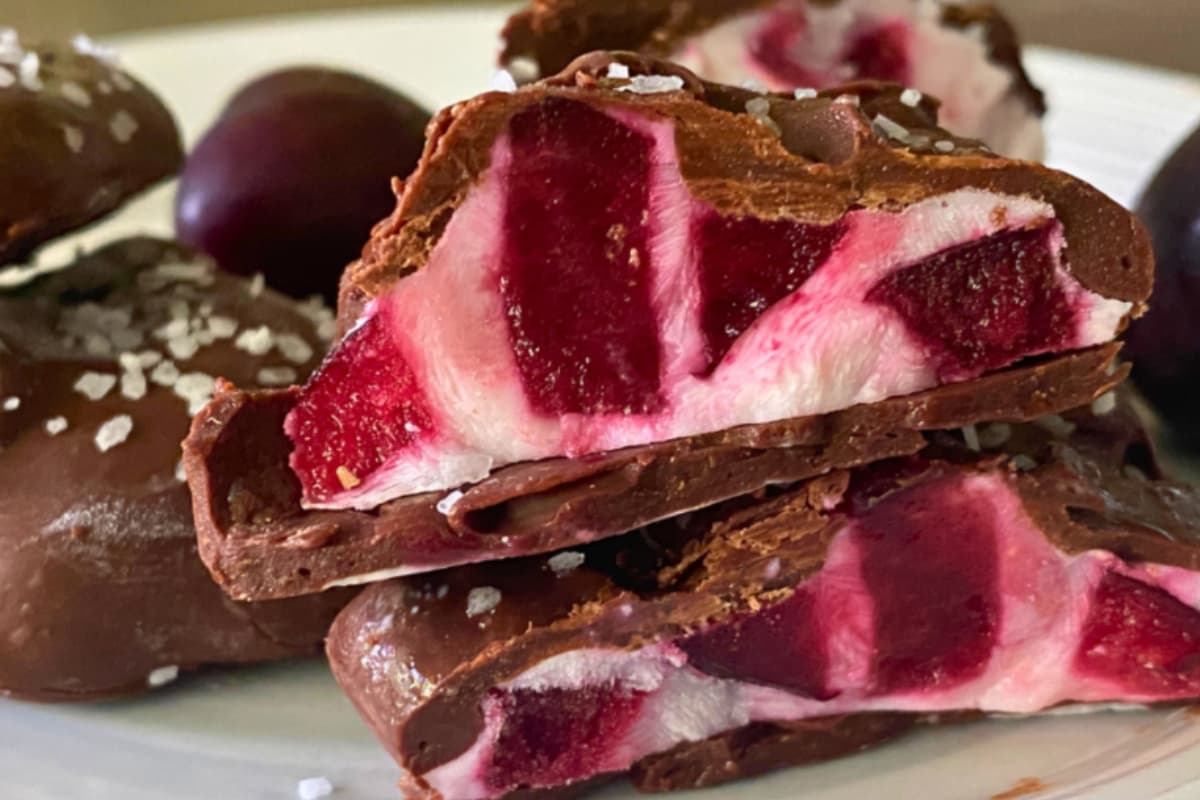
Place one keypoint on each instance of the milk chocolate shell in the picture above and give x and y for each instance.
(596, 264)
(80, 137)
(967, 56)
(101, 589)
(795, 626)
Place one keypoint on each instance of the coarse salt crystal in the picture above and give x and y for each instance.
(758, 106)
(523, 69)
(447, 503)
(133, 385)
(122, 126)
(95, 385)
(74, 93)
(256, 341)
(276, 376)
(314, 788)
(911, 98)
(1104, 404)
(848, 99)
(196, 388)
(113, 432)
(180, 472)
(890, 127)
(503, 81)
(652, 84)
(562, 563)
(162, 676)
(256, 285)
(1056, 426)
(184, 347)
(85, 45)
(482, 599)
(944, 146)
(442, 591)
(293, 348)
(617, 71)
(971, 437)
(122, 82)
(73, 137)
(148, 358)
(12, 403)
(165, 374)
(175, 328)
(6, 78)
(222, 327)
(27, 71)
(752, 85)
(56, 425)
(995, 434)
(805, 94)
(199, 273)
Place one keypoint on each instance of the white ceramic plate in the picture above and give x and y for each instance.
(252, 734)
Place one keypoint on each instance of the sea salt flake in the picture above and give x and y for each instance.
(199, 273)
(165, 374)
(12, 403)
(617, 71)
(1056, 426)
(482, 599)
(162, 676)
(971, 437)
(447, 503)
(27, 71)
(6, 78)
(95, 385)
(122, 126)
(74, 93)
(890, 127)
(196, 388)
(133, 385)
(503, 81)
(113, 432)
(995, 435)
(562, 563)
(442, 591)
(148, 358)
(222, 327)
(911, 98)
(944, 146)
(805, 94)
(122, 82)
(652, 84)
(277, 376)
(523, 69)
(184, 347)
(172, 330)
(256, 285)
(73, 138)
(87, 46)
(180, 472)
(56, 425)
(293, 348)
(255, 341)
(1104, 404)
(314, 788)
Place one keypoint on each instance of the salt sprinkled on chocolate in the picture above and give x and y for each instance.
(1056, 426)
(652, 84)
(890, 127)
(95, 385)
(277, 376)
(293, 348)
(85, 45)
(562, 563)
(256, 285)
(133, 384)
(482, 599)
(56, 425)
(114, 432)
(617, 71)
(314, 788)
(911, 98)
(180, 472)
(523, 69)
(442, 591)
(28, 70)
(805, 94)
(74, 93)
(6, 78)
(944, 146)
(995, 434)
(1104, 404)
(503, 81)
(447, 503)
(10, 47)
(971, 437)
(162, 676)
(256, 341)
(752, 85)
(848, 99)
(12, 403)
(122, 82)
(760, 109)
(222, 327)
(165, 374)
(122, 126)
(73, 137)
(196, 388)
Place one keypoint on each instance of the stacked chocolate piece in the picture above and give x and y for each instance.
(691, 431)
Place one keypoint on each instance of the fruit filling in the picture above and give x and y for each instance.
(582, 299)
(942, 595)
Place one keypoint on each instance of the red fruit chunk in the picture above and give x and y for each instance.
(362, 406)
(576, 276)
(929, 561)
(556, 736)
(881, 54)
(747, 265)
(780, 646)
(980, 305)
(1141, 638)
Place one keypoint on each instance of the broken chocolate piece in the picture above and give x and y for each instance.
(102, 592)
(80, 137)
(955, 582)
(259, 543)
(968, 57)
(644, 267)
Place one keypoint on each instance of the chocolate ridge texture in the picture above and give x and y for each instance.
(80, 137)
(1091, 496)
(102, 592)
(259, 544)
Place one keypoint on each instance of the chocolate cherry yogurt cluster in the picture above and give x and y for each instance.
(102, 365)
(686, 431)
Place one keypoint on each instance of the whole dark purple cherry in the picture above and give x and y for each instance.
(295, 172)
(1165, 344)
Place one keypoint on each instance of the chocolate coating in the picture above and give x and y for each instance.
(80, 137)
(101, 584)
(828, 159)
(1079, 494)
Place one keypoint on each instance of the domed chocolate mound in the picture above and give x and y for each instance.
(101, 589)
(79, 138)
